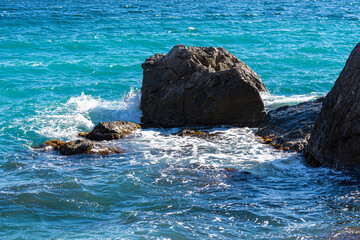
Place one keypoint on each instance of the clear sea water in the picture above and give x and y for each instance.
(67, 65)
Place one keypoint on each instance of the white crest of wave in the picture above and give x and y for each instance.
(274, 101)
(127, 109)
(80, 114)
(65, 126)
(83, 103)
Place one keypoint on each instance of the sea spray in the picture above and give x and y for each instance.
(82, 113)
(274, 101)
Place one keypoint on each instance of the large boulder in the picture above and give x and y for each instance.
(289, 127)
(335, 139)
(193, 86)
(110, 130)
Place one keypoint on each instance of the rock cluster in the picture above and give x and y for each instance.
(206, 86)
(81, 146)
(335, 139)
(102, 131)
(111, 130)
(289, 127)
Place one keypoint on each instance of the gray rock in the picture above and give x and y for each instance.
(87, 147)
(77, 147)
(192, 86)
(335, 139)
(289, 127)
(111, 130)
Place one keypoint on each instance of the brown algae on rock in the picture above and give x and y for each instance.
(55, 143)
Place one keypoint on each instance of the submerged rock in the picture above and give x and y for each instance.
(348, 233)
(110, 130)
(238, 175)
(208, 171)
(193, 86)
(335, 139)
(289, 127)
(187, 132)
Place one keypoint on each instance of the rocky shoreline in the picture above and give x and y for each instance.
(199, 86)
(104, 131)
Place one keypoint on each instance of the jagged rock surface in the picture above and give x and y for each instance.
(289, 127)
(193, 86)
(111, 130)
(78, 147)
(335, 139)
(86, 146)
(189, 133)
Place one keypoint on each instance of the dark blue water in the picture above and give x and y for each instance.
(67, 65)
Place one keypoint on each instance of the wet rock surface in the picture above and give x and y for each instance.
(335, 139)
(209, 136)
(87, 147)
(54, 143)
(289, 127)
(192, 86)
(78, 147)
(189, 133)
(111, 130)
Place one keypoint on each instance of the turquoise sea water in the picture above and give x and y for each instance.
(67, 65)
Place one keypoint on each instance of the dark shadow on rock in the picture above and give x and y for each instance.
(288, 128)
(200, 86)
(81, 146)
(335, 139)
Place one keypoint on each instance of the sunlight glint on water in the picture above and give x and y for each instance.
(64, 67)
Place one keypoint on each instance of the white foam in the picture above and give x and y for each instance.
(83, 103)
(202, 161)
(63, 126)
(81, 113)
(127, 109)
(275, 101)
(231, 147)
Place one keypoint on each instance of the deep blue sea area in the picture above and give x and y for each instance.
(67, 65)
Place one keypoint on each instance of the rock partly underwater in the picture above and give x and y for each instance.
(110, 130)
(103, 131)
(78, 147)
